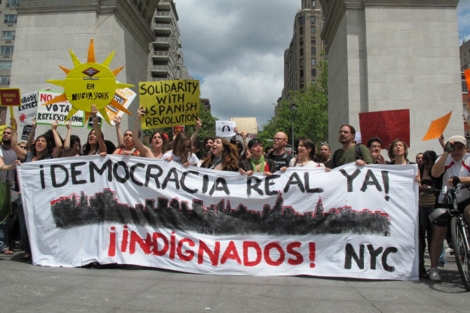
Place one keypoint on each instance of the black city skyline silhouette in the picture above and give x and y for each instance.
(216, 219)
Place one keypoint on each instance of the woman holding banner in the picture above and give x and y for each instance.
(158, 141)
(256, 162)
(223, 157)
(181, 152)
(40, 150)
(95, 143)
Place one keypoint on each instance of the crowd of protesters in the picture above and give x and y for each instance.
(219, 153)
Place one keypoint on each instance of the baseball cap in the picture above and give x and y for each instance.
(458, 138)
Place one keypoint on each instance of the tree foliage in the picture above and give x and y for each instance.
(208, 123)
(310, 117)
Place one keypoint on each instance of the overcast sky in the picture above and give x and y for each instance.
(236, 48)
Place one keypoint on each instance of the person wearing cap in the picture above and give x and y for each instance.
(455, 161)
(257, 162)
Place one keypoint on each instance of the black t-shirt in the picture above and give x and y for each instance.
(280, 160)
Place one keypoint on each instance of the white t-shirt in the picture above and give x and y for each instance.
(308, 164)
(461, 169)
(193, 159)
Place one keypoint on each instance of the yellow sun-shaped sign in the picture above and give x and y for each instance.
(89, 83)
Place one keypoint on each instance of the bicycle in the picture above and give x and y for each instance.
(459, 230)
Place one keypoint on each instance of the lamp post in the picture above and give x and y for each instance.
(293, 107)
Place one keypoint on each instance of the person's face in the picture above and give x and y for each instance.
(419, 159)
(325, 151)
(157, 140)
(76, 148)
(128, 138)
(217, 147)
(22, 146)
(345, 135)
(459, 151)
(398, 149)
(40, 144)
(279, 141)
(247, 154)
(6, 137)
(209, 144)
(256, 150)
(375, 148)
(302, 150)
(92, 138)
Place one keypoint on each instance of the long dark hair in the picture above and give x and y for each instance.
(87, 147)
(47, 151)
(179, 147)
(229, 156)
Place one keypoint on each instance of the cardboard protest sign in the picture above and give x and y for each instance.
(225, 128)
(47, 114)
(248, 125)
(437, 127)
(10, 97)
(28, 109)
(89, 83)
(122, 96)
(169, 103)
(387, 125)
(357, 222)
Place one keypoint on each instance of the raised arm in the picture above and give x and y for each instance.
(196, 132)
(120, 137)
(144, 150)
(31, 135)
(58, 142)
(97, 129)
(68, 124)
(21, 153)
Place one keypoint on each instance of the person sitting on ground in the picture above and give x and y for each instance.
(375, 146)
(223, 156)
(257, 162)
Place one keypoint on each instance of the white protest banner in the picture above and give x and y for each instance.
(47, 114)
(225, 128)
(356, 222)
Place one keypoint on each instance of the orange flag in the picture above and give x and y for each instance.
(437, 127)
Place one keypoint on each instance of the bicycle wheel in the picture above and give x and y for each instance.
(461, 253)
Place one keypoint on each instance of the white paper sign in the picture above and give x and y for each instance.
(225, 128)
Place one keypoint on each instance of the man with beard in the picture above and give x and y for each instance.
(279, 154)
(349, 152)
(8, 157)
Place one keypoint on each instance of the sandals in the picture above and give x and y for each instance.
(8, 252)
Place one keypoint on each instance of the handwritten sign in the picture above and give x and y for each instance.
(47, 114)
(10, 96)
(28, 108)
(437, 127)
(225, 128)
(124, 97)
(246, 124)
(169, 103)
(387, 125)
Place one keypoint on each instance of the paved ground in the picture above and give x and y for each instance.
(28, 288)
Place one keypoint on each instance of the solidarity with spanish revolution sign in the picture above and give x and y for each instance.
(356, 222)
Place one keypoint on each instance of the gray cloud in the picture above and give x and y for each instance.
(237, 50)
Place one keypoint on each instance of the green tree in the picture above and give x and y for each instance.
(310, 115)
(208, 123)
